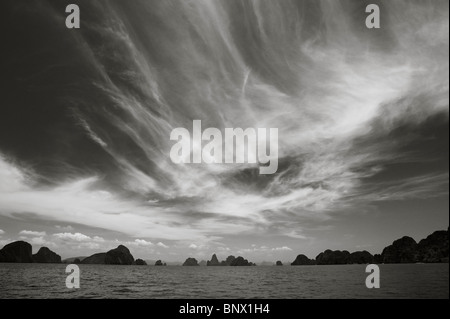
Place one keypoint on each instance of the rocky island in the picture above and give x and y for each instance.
(46, 256)
(190, 262)
(16, 252)
(21, 252)
(230, 261)
(302, 260)
(160, 263)
(140, 262)
(118, 256)
(433, 249)
(214, 261)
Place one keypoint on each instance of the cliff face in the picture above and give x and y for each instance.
(45, 255)
(361, 257)
(377, 259)
(16, 252)
(214, 261)
(434, 248)
(228, 261)
(336, 257)
(240, 261)
(302, 260)
(140, 262)
(119, 256)
(190, 262)
(96, 259)
(403, 250)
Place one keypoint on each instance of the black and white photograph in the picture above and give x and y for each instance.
(224, 149)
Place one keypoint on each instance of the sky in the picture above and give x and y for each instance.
(86, 116)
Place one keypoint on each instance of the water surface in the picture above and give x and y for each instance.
(340, 281)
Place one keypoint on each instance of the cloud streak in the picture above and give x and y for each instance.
(346, 101)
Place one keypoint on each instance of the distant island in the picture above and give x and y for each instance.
(433, 249)
(21, 252)
(230, 261)
(191, 262)
(160, 263)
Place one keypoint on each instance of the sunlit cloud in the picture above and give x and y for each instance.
(74, 237)
(32, 233)
(141, 242)
(284, 248)
(41, 241)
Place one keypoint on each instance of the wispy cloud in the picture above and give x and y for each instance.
(340, 97)
(160, 244)
(67, 228)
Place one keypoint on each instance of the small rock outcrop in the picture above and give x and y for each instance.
(140, 262)
(279, 263)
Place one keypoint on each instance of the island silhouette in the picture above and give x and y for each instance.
(433, 249)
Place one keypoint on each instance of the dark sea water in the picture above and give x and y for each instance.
(102, 281)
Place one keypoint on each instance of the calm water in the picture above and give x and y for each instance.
(101, 281)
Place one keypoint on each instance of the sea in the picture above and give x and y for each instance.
(37, 281)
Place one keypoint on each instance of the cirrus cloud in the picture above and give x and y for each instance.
(347, 103)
